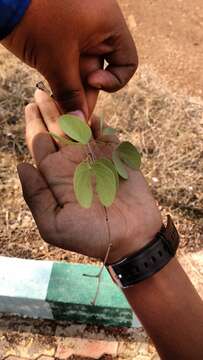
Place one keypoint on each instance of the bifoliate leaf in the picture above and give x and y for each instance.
(82, 185)
(119, 165)
(105, 183)
(130, 155)
(75, 128)
(61, 139)
(111, 166)
(109, 131)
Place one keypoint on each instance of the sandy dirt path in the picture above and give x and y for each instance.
(169, 37)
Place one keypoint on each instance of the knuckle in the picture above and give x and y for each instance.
(30, 108)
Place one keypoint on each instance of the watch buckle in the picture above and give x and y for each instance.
(114, 276)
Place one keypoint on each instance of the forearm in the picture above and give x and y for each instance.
(171, 312)
(11, 12)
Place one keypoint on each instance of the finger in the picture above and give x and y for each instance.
(66, 83)
(123, 62)
(39, 199)
(51, 114)
(38, 140)
(49, 111)
(88, 65)
(34, 125)
(92, 96)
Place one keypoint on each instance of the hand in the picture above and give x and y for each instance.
(134, 217)
(68, 40)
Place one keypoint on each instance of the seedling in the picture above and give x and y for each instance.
(102, 175)
(106, 172)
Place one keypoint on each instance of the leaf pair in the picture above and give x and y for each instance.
(126, 154)
(75, 128)
(78, 130)
(104, 171)
(107, 182)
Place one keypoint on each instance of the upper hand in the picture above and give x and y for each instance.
(68, 40)
(134, 217)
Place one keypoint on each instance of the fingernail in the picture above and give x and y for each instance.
(40, 86)
(78, 113)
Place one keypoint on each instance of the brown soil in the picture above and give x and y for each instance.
(169, 38)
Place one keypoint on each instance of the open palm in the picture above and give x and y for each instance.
(134, 217)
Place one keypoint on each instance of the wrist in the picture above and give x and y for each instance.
(149, 260)
(164, 295)
(170, 310)
(160, 282)
(147, 231)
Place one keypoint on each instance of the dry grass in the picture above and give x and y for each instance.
(166, 127)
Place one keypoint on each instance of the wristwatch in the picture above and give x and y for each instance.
(149, 260)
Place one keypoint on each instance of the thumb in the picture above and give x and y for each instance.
(67, 87)
(39, 199)
(112, 79)
(123, 62)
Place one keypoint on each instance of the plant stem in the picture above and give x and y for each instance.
(99, 275)
(91, 152)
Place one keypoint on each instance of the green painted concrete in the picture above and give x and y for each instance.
(68, 283)
(47, 290)
(70, 295)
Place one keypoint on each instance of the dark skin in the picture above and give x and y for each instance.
(49, 193)
(67, 42)
(171, 312)
(70, 55)
(167, 303)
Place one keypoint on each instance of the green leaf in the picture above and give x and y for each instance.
(109, 131)
(130, 155)
(119, 165)
(61, 139)
(105, 183)
(82, 185)
(112, 167)
(77, 129)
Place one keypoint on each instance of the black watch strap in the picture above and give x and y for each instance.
(149, 260)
